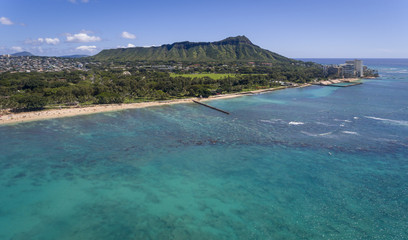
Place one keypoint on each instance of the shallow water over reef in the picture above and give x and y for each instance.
(309, 163)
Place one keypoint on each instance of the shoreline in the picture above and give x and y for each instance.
(338, 80)
(13, 118)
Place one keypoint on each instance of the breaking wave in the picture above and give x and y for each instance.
(296, 123)
(271, 121)
(350, 132)
(397, 122)
(339, 120)
(316, 134)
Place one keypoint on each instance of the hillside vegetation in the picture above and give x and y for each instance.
(231, 49)
(177, 70)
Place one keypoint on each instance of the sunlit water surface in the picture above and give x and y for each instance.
(307, 163)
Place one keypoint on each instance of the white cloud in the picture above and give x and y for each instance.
(52, 41)
(6, 21)
(17, 49)
(40, 41)
(128, 35)
(128, 46)
(86, 48)
(82, 37)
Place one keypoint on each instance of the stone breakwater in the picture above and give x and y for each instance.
(341, 80)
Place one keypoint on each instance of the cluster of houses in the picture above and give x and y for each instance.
(38, 64)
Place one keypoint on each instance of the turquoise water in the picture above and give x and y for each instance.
(345, 84)
(308, 163)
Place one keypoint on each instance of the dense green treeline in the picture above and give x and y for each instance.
(29, 91)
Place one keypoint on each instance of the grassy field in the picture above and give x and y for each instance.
(214, 76)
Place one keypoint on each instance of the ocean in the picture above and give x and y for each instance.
(302, 163)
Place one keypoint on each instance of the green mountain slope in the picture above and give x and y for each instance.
(231, 49)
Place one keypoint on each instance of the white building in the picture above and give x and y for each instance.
(357, 68)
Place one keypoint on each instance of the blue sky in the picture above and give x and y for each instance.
(293, 28)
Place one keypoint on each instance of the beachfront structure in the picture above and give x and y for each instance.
(348, 70)
(358, 67)
(358, 64)
(352, 68)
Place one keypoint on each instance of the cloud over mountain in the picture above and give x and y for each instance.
(86, 48)
(128, 46)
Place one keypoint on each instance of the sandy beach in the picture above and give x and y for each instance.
(11, 118)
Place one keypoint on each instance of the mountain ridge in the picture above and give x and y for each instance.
(22, 54)
(238, 48)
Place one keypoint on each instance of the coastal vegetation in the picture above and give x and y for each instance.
(215, 76)
(31, 91)
(174, 71)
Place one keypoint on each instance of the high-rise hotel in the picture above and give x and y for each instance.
(353, 68)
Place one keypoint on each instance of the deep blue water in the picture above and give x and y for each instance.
(307, 163)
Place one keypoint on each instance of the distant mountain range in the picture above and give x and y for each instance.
(28, 54)
(22, 54)
(238, 48)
